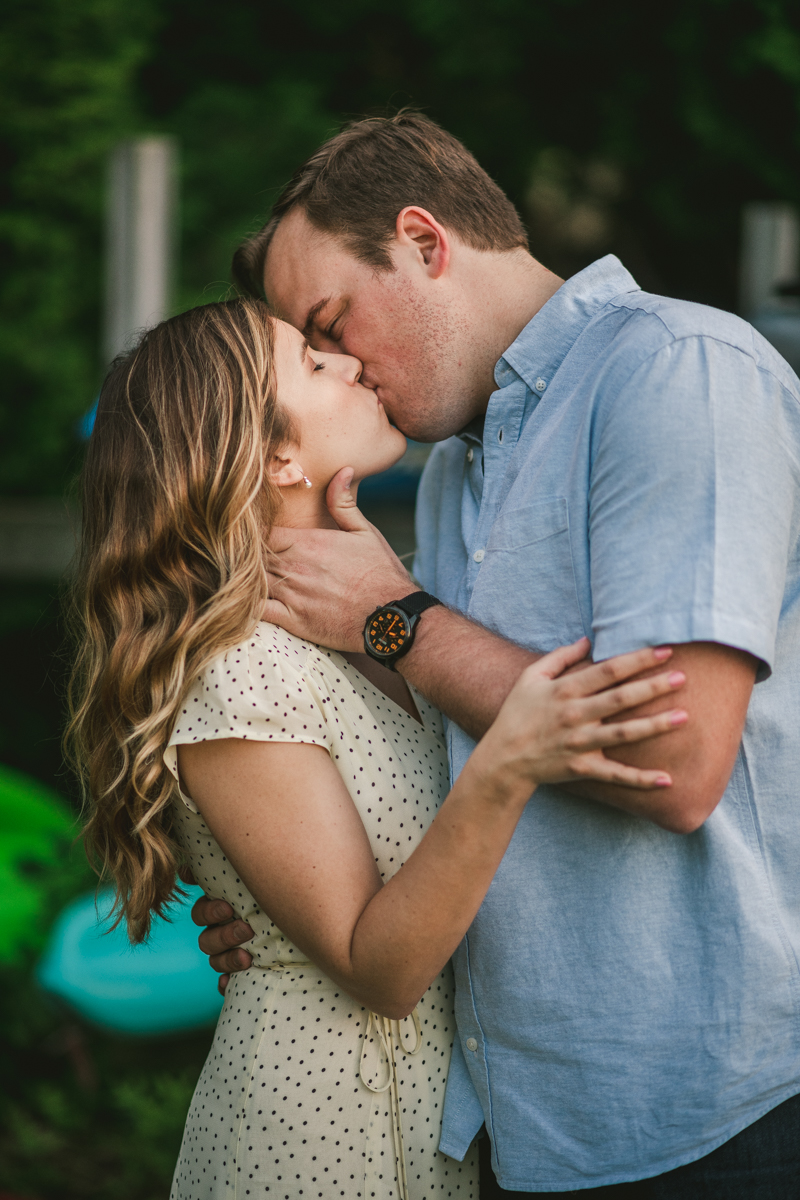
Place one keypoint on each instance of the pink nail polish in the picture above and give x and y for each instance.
(678, 717)
(662, 652)
(677, 677)
(663, 781)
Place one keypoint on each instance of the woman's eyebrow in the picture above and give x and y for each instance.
(303, 350)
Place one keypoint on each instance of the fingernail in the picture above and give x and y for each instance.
(678, 717)
(676, 678)
(243, 932)
(222, 912)
(662, 652)
(663, 781)
(243, 959)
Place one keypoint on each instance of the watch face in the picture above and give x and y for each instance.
(388, 631)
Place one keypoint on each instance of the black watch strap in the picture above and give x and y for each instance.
(415, 604)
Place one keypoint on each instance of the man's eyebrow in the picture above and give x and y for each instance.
(312, 315)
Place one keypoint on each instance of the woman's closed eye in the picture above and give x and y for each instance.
(320, 366)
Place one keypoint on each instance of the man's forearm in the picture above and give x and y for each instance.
(467, 672)
(463, 669)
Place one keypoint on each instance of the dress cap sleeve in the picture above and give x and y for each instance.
(259, 690)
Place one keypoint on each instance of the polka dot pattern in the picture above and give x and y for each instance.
(281, 1108)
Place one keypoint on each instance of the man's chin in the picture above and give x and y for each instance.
(421, 424)
(413, 429)
(422, 432)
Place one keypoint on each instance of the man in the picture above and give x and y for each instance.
(613, 464)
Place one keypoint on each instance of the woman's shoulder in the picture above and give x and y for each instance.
(279, 642)
(258, 689)
(267, 648)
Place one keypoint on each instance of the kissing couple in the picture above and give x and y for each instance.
(509, 842)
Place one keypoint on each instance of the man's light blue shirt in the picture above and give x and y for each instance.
(628, 998)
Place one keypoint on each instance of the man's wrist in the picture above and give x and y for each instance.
(429, 632)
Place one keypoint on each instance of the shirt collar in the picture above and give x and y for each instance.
(544, 343)
(472, 433)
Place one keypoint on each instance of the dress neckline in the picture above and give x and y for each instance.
(324, 653)
(351, 671)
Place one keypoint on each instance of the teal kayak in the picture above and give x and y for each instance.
(163, 986)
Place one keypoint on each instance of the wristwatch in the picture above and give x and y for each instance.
(390, 630)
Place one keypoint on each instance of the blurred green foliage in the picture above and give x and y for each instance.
(84, 1114)
(67, 76)
(32, 706)
(36, 832)
(613, 127)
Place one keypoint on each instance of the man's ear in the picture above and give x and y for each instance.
(418, 230)
(284, 471)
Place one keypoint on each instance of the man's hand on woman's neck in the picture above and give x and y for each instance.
(306, 508)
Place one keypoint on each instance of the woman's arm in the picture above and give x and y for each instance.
(282, 815)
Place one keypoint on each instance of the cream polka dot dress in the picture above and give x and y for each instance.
(305, 1093)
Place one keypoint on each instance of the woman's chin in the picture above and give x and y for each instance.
(380, 464)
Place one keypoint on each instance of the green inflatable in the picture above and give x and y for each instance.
(36, 829)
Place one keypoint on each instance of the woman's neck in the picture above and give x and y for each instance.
(305, 508)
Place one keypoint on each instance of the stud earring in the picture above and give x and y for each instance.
(307, 481)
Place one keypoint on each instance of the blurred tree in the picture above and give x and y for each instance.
(609, 132)
(67, 69)
(612, 127)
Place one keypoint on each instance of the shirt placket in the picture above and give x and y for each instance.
(500, 435)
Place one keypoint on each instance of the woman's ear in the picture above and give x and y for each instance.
(285, 471)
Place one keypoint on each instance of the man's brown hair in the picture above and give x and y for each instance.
(356, 183)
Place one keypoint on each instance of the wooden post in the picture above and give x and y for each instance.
(770, 244)
(140, 240)
(38, 537)
(770, 259)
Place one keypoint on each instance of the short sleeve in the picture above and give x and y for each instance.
(259, 690)
(691, 502)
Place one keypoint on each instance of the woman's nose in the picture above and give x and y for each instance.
(353, 369)
(349, 367)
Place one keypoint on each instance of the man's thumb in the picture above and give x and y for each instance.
(341, 502)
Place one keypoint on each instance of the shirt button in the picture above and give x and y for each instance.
(470, 454)
(478, 555)
(540, 385)
(472, 1044)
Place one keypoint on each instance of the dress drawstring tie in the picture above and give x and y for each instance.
(388, 1032)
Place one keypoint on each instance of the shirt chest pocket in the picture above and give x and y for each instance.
(525, 589)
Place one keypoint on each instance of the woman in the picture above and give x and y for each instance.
(294, 781)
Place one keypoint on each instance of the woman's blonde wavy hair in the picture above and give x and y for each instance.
(177, 509)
